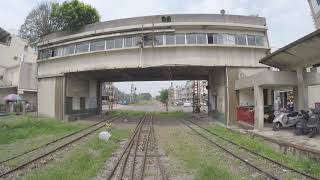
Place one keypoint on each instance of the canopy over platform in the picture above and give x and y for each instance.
(303, 52)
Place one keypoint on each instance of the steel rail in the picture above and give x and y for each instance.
(161, 168)
(255, 153)
(54, 141)
(52, 151)
(231, 153)
(145, 153)
(136, 130)
(135, 156)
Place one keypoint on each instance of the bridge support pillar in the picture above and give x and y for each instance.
(51, 97)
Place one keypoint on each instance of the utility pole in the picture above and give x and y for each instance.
(110, 94)
(196, 96)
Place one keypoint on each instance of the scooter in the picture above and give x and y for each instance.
(301, 126)
(285, 119)
(314, 123)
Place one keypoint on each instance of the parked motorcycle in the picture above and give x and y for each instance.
(301, 126)
(314, 123)
(285, 119)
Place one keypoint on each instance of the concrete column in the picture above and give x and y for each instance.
(302, 89)
(270, 97)
(295, 99)
(258, 108)
(99, 97)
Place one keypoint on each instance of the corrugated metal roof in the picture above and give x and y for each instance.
(302, 52)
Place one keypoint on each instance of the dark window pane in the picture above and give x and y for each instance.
(212, 39)
(158, 40)
(147, 40)
(97, 45)
(241, 39)
(251, 40)
(222, 38)
(180, 39)
(201, 39)
(58, 51)
(69, 49)
(136, 41)
(110, 44)
(170, 39)
(83, 47)
(259, 41)
(191, 38)
(231, 39)
(118, 43)
(128, 42)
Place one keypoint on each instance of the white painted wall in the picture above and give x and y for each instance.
(313, 95)
(246, 97)
(16, 48)
(46, 97)
(164, 56)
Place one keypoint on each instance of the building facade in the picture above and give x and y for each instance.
(18, 68)
(212, 47)
(315, 10)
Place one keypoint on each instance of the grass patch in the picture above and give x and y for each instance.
(21, 133)
(129, 113)
(199, 158)
(174, 114)
(136, 114)
(83, 162)
(259, 145)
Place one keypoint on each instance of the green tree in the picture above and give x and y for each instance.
(164, 97)
(74, 14)
(39, 22)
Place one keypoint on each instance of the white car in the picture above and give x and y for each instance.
(187, 104)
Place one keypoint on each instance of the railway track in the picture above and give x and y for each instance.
(52, 147)
(138, 154)
(264, 165)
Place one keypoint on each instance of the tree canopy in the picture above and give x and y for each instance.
(74, 14)
(164, 95)
(38, 22)
(48, 17)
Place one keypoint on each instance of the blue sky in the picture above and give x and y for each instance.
(287, 20)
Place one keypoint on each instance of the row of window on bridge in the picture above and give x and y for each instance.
(153, 40)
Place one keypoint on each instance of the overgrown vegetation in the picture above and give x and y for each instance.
(259, 145)
(49, 16)
(74, 14)
(20, 133)
(198, 157)
(83, 162)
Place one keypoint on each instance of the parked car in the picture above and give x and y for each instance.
(187, 104)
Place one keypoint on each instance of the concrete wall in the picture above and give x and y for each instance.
(216, 92)
(77, 87)
(28, 74)
(51, 97)
(165, 56)
(46, 98)
(149, 21)
(246, 97)
(16, 48)
(313, 95)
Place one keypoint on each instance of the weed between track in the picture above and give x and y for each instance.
(83, 161)
(259, 145)
(136, 114)
(21, 133)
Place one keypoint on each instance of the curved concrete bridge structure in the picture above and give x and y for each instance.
(218, 48)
